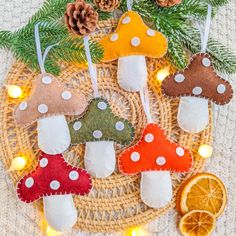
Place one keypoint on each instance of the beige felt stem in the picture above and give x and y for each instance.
(100, 158)
(60, 212)
(156, 188)
(193, 114)
(132, 73)
(53, 134)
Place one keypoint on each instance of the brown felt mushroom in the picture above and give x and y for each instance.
(48, 104)
(195, 85)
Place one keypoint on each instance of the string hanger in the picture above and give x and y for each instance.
(204, 33)
(144, 95)
(129, 5)
(41, 56)
(91, 68)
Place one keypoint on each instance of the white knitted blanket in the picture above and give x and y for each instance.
(23, 220)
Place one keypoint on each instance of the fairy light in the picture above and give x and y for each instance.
(205, 151)
(162, 74)
(14, 91)
(51, 232)
(18, 163)
(137, 231)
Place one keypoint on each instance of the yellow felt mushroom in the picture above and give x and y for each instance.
(130, 43)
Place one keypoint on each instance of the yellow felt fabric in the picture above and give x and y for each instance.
(133, 37)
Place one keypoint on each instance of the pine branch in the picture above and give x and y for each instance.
(217, 3)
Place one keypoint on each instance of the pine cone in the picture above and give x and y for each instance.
(168, 3)
(107, 5)
(81, 18)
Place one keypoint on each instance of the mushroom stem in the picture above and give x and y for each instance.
(100, 158)
(156, 188)
(193, 114)
(132, 73)
(53, 134)
(60, 212)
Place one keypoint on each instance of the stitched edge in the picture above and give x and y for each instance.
(120, 166)
(19, 183)
(190, 95)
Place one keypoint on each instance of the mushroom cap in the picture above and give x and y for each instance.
(154, 152)
(100, 124)
(133, 37)
(199, 80)
(48, 97)
(53, 176)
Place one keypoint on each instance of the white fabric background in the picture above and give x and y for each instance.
(22, 220)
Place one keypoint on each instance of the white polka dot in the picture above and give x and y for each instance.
(42, 108)
(66, 95)
(29, 182)
(180, 151)
(135, 156)
(102, 105)
(149, 138)
(73, 175)
(119, 126)
(151, 32)
(221, 88)
(135, 41)
(54, 185)
(179, 78)
(126, 20)
(77, 125)
(43, 162)
(206, 62)
(114, 37)
(23, 106)
(161, 161)
(97, 134)
(197, 91)
(47, 80)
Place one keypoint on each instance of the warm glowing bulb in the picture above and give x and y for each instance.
(51, 232)
(14, 91)
(18, 163)
(205, 151)
(136, 232)
(162, 74)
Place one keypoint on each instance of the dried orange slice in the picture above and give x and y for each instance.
(204, 192)
(197, 223)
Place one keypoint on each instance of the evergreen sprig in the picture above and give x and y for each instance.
(176, 23)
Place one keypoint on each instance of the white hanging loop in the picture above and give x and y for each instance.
(144, 95)
(205, 37)
(91, 67)
(129, 5)
(41, 57)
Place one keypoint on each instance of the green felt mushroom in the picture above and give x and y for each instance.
(99, 129)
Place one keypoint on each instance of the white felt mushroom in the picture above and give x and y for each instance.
(155, 157)
(130, 43)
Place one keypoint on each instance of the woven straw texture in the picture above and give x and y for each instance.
(114, 204)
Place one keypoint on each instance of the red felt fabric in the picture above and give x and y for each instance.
(53, 168)
(153, 148)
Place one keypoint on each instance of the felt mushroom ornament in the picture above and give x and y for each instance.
(55, 181)
(155, 157)
(196, 85)
(47, 105)
(130, 43)
(100, 129)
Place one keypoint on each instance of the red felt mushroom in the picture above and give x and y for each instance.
(56, 188)
(155, 156)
